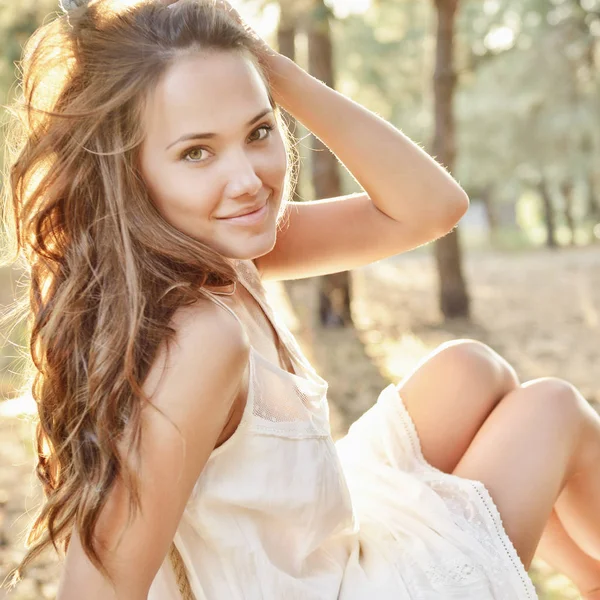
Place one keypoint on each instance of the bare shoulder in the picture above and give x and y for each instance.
(194, 385)
(205, 361)
(206, 317)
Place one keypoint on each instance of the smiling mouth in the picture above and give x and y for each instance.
(250, 212)
(249, 218)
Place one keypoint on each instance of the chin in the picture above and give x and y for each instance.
(250, 248)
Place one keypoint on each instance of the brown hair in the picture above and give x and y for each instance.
(107, 272)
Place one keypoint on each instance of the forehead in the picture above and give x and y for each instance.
(205, 92)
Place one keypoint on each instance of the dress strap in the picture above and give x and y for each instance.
(215, 298)
(246, 280)
(250, 279)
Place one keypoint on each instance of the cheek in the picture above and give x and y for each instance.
(277, 166)
(184, 204)
(177, 193)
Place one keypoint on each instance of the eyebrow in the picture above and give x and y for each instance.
(200, 136)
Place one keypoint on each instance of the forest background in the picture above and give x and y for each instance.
(505, 94)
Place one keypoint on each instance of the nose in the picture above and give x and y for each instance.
(242, 179)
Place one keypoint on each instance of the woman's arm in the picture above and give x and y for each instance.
(402, 180)
(409, 199)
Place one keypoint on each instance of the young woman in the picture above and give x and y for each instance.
(150, 196)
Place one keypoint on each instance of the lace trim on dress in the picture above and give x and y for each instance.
(449, 488)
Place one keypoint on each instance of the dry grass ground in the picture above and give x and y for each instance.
(539, 309)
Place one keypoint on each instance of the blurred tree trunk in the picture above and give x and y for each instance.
(548, 209)
(593, 201)
(487, 198)
(566, 189)
(286, 30)
(286, 44)
(454, 301)
(334, 290)
(588, 147)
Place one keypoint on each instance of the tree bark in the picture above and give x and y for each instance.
(334, 290)
(326, 175)
(549, 218)
(453, 297)
(286, 45)
(567, 193)
(593, 200)
(286, 31)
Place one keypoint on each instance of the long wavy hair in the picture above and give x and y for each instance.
(106, 271)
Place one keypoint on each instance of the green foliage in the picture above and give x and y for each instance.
(384, 61)
(528, 87)
(528, 108)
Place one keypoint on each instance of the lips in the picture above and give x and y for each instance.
(250, 219)
(248, 211)
(245, 212)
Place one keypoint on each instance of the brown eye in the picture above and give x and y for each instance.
(261, 133)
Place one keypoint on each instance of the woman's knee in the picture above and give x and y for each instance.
(568, 406)
(554, 401)
(451, 393)
(473, 359)
(461, 377)
(557, 394)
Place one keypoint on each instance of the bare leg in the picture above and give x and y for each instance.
(541, 442)
(558, 549)
(558, 546)
(449, 395)
(578, 506)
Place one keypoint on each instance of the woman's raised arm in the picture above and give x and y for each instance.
(401, 179)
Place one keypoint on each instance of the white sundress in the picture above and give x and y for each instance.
(281, 512)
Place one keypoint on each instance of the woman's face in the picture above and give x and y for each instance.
(213, 150)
